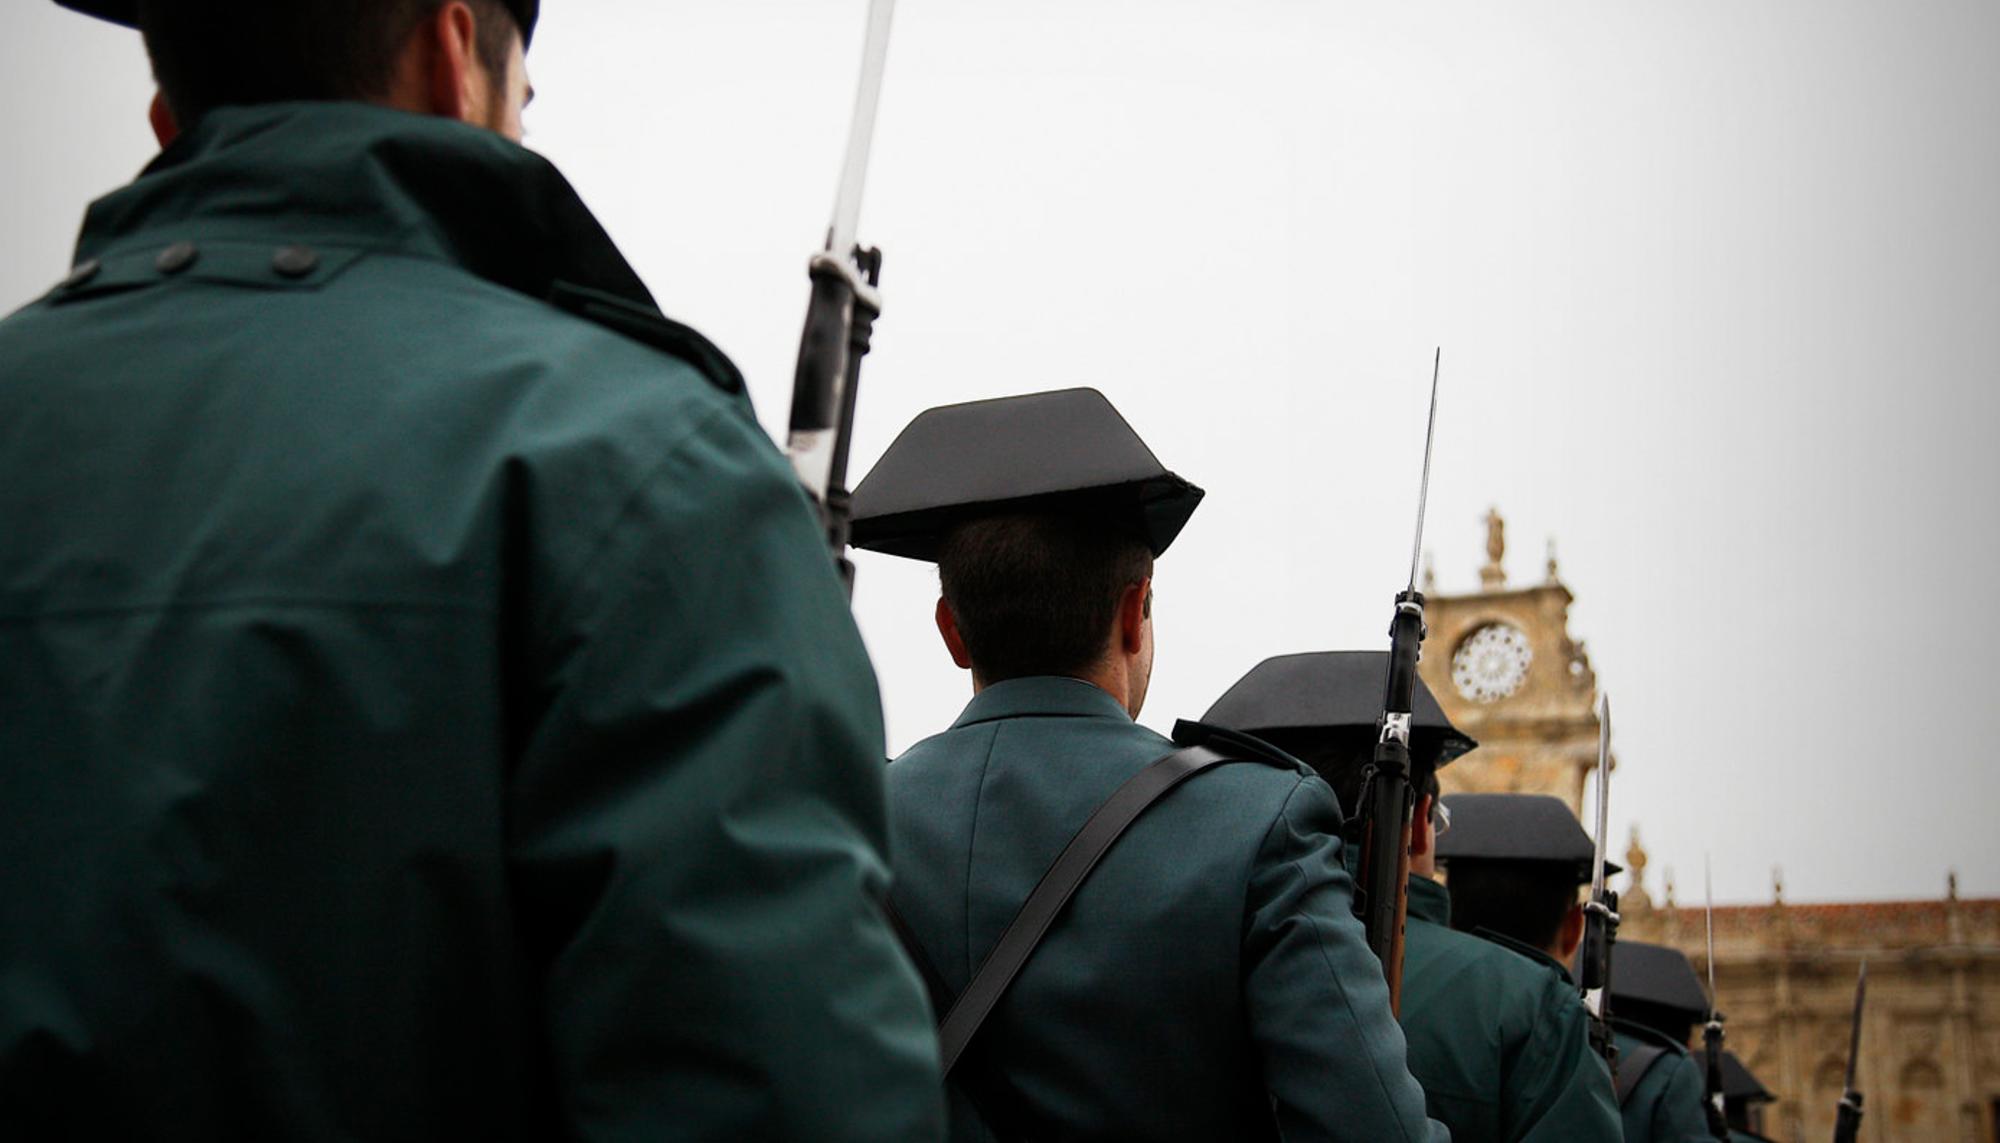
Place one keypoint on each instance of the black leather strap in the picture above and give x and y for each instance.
(1110, 820)
(1632, 1067)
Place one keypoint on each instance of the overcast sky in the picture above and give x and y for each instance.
(1717, 282)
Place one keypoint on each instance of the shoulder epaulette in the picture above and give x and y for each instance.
(1648, 1035)
(1235, 744)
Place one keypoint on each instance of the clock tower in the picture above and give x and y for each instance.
(1502, 664)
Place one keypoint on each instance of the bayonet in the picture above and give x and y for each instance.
(1847, 1120)
(1600, 912)
(1711, 1034)
(1386, 799)
(1424, 487)
(840, 319)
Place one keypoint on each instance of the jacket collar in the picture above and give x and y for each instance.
(359, 176)
(356, 178)
(1429, 901)
(1043, 696)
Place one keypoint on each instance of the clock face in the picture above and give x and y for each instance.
(1492, 663)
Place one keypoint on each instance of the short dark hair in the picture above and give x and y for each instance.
(1525, 900)
(216, 53)
(1037, 593)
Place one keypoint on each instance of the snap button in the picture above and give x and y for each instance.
(176, 258)
(294, 261)
(81, 273)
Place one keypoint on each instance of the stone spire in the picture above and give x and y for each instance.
(1635, 897)
(1954, 921)
(1553, 578)
(1430, 574)
(1492, 577)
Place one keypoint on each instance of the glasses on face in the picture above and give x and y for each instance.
(1440, 817)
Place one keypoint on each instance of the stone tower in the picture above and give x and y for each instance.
(1502, 663)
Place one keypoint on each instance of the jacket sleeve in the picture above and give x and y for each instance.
(1333, 1055)
(697, 825)
(1559, 1089)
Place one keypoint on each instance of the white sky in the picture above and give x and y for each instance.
(1718, 285)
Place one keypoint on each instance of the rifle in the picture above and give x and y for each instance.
(1383, 883)
(840, 319)
(1600, 913)
(1847, 1120)
(1711, 1033)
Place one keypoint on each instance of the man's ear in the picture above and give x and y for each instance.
(1134, 608)
(1422, 838)
(447, 49)
(165, 128)
(1570, 937)
(947, 625)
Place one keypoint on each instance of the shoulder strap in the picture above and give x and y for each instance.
(1632, 1067)
(1106, 824)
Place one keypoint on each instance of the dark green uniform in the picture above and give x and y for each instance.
(1499, 1038)
(1208, 982)
(1666, 1104)
(426, 711)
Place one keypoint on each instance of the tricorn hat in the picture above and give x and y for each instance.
(1331, 698)
(1517, 828)
(1656, 975)
(1065, 451)
(1739, 1083)
(126, 12)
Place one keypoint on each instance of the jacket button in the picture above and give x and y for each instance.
(176, 258)
(81, 273)
(294, 261)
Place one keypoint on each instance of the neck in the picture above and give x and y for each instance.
(1113, 679)
(1109, 678)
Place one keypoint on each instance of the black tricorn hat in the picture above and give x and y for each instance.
(1065, 451)
(126, 12)
(1517, 828)
(1331, 699)
(1656, 975)
(1738, 1082)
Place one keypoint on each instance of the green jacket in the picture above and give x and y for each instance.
(425, 710)
(1208, 982)
(1499, 1039)
(1666, 1106)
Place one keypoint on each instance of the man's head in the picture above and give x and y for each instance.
(1040, 593)
(1044, 513)
(1514, 864)
(462, 59)
(1324, 707)
(1656, 986)
(1534, 902)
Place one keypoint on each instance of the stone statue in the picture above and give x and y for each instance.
(1493, 576)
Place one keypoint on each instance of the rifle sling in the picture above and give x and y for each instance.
(1106, 824)
(1632, 1067)
(994, 1106)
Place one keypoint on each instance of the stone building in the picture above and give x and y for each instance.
(1502, 662)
